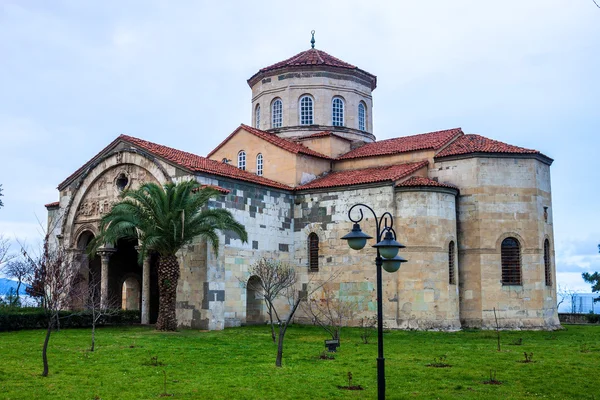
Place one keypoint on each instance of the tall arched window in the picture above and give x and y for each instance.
(242, 160)
(337, 111)
(306, 110)
(313, 251)
(547, 268)
(259, 164)
(257, 116)
(451, 264)
(362, 116)
(276, 113)
(511, 261)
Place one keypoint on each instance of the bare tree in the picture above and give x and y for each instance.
(563, 293)
(1, 203)
(281, 280)
(20, 270)
(328, 311)
(275, 278)
(95, 306)
(54, 277)
(4, 252)
(597, 5)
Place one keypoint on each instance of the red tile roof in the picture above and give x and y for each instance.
(422, 181)
(366, 175)
(313, 57)
(217, 188)
(479, 144)
(52, 205)
(321, 135)
(424, 141)
(288, 145)
(189, 161)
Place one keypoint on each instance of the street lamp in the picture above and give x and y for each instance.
(388, 259)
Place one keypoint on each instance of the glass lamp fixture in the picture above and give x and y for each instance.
(392, 264)
(356, 238)
(388, 247)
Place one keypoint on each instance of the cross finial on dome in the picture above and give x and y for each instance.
(312, 41)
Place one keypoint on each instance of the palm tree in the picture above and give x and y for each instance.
(164, 219)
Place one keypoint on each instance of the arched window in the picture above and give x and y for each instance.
(276, 113)
(362, 116)
(306, 110)
(337, 111)
(257, 116)
(451, 264)
(511, 261)
(313, 252)
(547, 268)
(242, 160)
(259, 164)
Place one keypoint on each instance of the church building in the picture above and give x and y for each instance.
(474, 213)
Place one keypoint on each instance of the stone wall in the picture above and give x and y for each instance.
(499, 198)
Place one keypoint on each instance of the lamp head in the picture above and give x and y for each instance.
(392, 264)
(356, 238)
(388, 247)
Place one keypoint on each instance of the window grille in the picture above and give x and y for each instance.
(306, 110)
(337, 110)
(276, 114)
(313, 252)
(257, 119)
(511, 262)
(361, 117)
(451, 275)
(547, 268)
(242, 160)
(259, 164)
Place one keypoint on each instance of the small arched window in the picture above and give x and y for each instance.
(313, 252)
(242, 160)
(276, 113)
(306, 110)
(451, 264)
(337, 111)
(257, 117)
(511, 261)
(362, 116)
(259, 164)
(547, 268)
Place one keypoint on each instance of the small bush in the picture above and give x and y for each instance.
(592, 318)
(14, 319)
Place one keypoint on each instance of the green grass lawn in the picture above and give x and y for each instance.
(239, 363)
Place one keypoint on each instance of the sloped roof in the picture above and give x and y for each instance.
(188, 161)
(52, 205)
(313, 57)
(415, 181)
(480, 144)
(284, 144)
(321, 135)
(425, 141)
(366, 175)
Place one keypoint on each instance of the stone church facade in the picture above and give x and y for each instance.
(474, 213)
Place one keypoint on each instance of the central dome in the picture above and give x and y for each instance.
(313, 92)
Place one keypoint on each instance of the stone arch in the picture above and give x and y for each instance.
(515, 235)
(82, 236)
(316, 229)
(131, 292)
(117, 161)
(254, 301)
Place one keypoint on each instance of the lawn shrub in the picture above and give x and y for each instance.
(13, 319)
(593, 318)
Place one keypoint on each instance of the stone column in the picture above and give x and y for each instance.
(146, 291)
(105, 254)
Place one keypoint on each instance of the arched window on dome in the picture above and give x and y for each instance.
(276, 113)
(451, 264)
(511, 261)
(259, 164)
(547, 265)
(242, 160)
(362, 117)
(337, 111)
(306, 110)
(257, 117)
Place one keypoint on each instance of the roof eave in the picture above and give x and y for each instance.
(254, 79)
(537, 156)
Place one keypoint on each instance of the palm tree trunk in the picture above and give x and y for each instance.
(168, 275)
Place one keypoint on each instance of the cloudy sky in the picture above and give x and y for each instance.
(74, 75)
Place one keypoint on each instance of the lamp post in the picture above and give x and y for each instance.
(388, 259)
